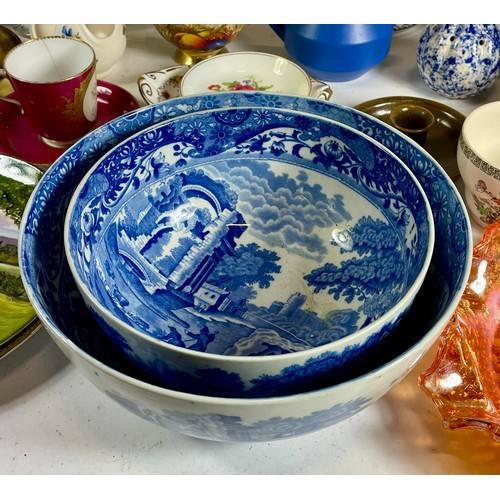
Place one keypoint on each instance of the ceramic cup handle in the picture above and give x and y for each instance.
(11, 101)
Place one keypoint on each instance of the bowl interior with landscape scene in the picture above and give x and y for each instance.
(239, 243)
(60, 306)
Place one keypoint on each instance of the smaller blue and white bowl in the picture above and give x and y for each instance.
(248, 252)
(459, 60)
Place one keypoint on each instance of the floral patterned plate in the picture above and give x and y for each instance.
(164, 84)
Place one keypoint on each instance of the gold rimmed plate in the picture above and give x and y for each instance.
(442, 138)
(19, 320)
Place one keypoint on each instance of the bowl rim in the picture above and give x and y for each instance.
(359, 335)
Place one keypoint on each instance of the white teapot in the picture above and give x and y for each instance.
(108, 40)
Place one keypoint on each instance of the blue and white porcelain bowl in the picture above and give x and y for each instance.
(60, 306)
(459, 60)
(246, 252)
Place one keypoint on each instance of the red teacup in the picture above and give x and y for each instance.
(54, 80)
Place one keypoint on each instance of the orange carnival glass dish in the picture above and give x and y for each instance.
(196, 42)
(463, 381)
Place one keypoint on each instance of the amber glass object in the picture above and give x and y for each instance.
(464, 378)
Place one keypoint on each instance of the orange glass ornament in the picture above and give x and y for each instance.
(464, 379)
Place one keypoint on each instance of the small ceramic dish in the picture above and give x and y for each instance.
(157, 86)
(239, 243)
(246, 71)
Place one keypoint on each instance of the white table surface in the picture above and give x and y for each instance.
(53, 421)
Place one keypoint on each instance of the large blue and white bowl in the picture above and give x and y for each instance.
(60, 306)
(249, 251)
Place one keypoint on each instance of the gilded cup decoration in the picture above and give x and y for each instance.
(83, 103)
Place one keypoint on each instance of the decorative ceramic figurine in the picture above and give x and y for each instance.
(196, 42)
(464, 378)
(459, 60)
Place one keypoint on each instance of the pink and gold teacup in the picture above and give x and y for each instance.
(54, 79)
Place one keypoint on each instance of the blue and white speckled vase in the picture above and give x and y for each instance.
(459, 60)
